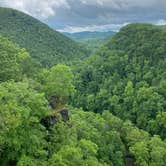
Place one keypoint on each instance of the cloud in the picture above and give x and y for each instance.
(47, 8)
(161, 22)
(92, 28)
(119, 4)
(41, 9)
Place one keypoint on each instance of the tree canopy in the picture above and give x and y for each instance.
(108, 110)
(46, 45)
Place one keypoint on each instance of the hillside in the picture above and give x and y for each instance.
(44, 44)
(92, 35)
(140, 39)
(107, 110)
(93, 40)
(128, 77)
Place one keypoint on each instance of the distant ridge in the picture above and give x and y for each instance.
(88, 34)
(94, 40)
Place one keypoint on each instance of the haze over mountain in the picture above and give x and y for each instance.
(92, 35)
(93, 40)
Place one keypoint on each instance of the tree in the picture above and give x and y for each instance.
(21, 110)
(57, 82)
(11, 58)
(157, 151)
(88, 148)
(141, 153)
(67, 156)
(149, 103)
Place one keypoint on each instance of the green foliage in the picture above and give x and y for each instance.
(94, 40)
(141, 153)
(87, 34)
(15, 62)
(11, 59)
(44, 44)
(57, 82)
(127, 77)
(21, 110)
(85, 143)
(26, 161)
(120, 87)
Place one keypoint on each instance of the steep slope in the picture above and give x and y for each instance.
(44, 44)
(15, 62)
(93, 40)
(32, 132)
(141, 40)
(128, 77)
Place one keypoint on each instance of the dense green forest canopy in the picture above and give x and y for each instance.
(108, 110)
(127, 77)
(15, 62)
(44, 44)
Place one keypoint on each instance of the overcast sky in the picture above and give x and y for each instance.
(91, 15)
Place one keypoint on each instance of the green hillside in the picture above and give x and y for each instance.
(92, 35)
(44, 44)
(94, 40)
(15, 62)
(106, 110)
(128, 78)
(139, 40)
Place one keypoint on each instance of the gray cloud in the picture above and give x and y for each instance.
(41, 9)
(73, 15)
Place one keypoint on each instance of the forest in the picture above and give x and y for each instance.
(62, 104)
(92, 40)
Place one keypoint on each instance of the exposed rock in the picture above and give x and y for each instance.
(64, 115)
(53, 101)
(129, 161)
(49, 121)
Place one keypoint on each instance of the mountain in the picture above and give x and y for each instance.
(44, 44)
(127, 77)
(92, 35)
(93, 40)
(140, 39)
(108, 109)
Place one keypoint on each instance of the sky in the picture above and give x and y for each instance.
(91, 15)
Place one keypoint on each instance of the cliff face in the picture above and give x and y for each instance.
(52, 119)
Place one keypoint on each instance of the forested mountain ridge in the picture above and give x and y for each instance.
(108, 110)
(94, 40)
(86, 34)
(127, 77)
(44, 44)
(146, 39)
